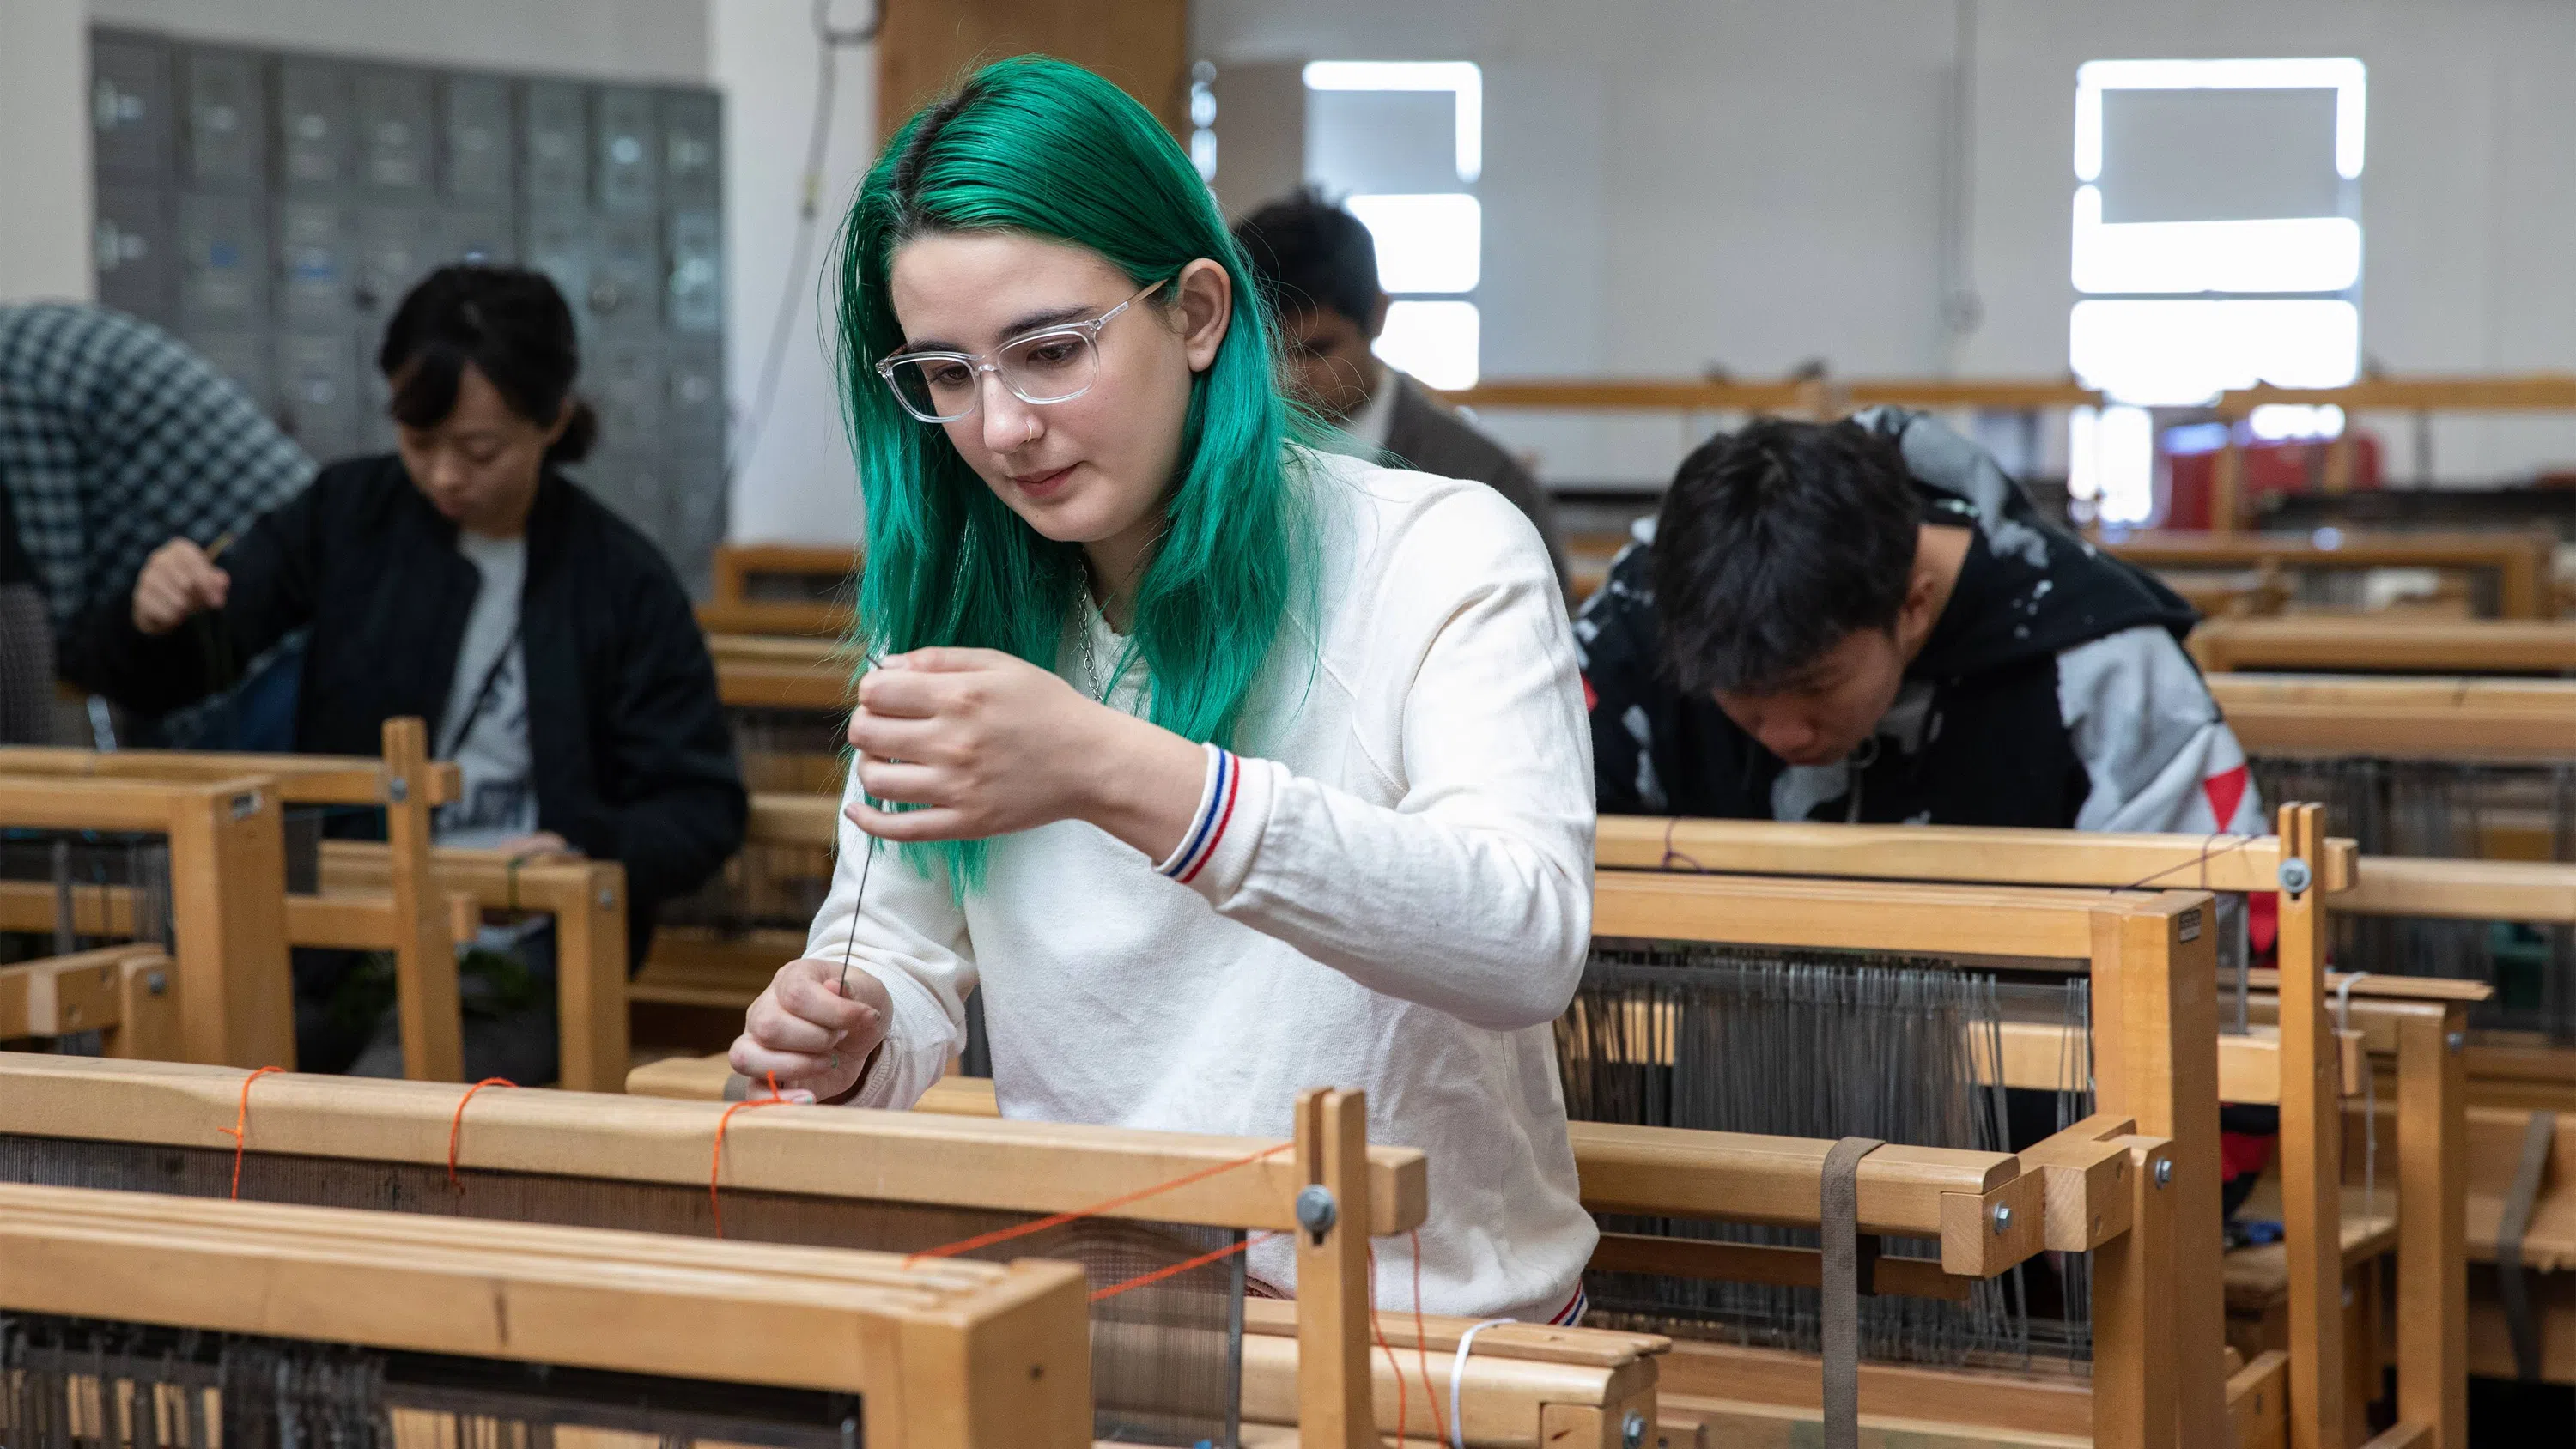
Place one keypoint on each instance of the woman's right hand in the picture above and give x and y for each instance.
(179, 580)
(807, 1034)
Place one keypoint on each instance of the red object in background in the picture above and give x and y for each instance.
(2295, 465)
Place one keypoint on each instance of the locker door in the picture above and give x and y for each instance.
(554, 159)
(692, 149)
(477, 236)
(242, 357)
(223, 262)
(224, 128)
(316, 264)
(395, 133)
(626, 384)
(627, 165)
(132, 251)
(313, 125)
(317, 386)
(130, 111)
(397, 246)
(557, 243)
(693, 406)
(475, 120)
(625, 275)
(695, 290)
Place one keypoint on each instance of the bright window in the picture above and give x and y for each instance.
(1402, 143)
(1434, 341)
(2217, 244)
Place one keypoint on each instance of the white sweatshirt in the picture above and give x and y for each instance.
(1399, 900)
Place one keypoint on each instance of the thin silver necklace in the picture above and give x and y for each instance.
(1090, 660)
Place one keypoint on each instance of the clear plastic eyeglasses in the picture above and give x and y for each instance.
(1051, 365)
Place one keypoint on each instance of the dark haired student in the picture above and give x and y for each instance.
(1317, 265)
(1868, 621)
(466, 581)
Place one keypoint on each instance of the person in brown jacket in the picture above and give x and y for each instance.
(1318, 264)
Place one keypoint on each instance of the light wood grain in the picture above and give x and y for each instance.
(818, 1151)
(59, 995)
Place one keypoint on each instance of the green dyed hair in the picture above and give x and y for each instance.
(1041, 147)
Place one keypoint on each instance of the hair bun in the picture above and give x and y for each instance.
(580, 434)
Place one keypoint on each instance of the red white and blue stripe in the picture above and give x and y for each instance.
(1216, 811)
(1574, 1309)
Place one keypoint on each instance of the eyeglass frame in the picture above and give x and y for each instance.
(990, 362)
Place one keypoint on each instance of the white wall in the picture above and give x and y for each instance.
(1671, 184)
(44, 151)
(796, 481)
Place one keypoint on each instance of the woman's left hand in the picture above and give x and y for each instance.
(987, 744)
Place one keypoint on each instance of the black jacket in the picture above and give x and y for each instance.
(632, 758)
(2052, 691)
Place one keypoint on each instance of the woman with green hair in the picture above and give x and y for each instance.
(1222, 767)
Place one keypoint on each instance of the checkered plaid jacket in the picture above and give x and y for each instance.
(115, 438)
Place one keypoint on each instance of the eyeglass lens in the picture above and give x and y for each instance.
(1049, 367)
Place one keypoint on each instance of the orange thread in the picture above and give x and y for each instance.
(457, 1121)
(1175, 1270)
(239, 1132)
(1421, 1348)
(1378, 1331)
(1004, 1235)
(715, 1160)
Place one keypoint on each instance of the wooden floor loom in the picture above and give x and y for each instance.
(2145, 952)
(2260, 1065)
(404, 895)
(131, 1319)
(230, 911)
(907, 1182)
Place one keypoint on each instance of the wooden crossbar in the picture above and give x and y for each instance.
(2329, 644)
(2500, 721)
(1958, 854)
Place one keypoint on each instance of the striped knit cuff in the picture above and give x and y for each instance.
(1208, 825)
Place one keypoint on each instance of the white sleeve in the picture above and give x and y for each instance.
(910, 934)
(1472, 894)
(2157, 752)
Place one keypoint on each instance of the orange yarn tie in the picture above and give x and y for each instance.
(1377, 1330)
(1421, 1350)
(1004, 1235)
(458, 1121)
(239, 1132)
(715, 1160)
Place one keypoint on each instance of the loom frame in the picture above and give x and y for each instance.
(2155, 1033)
(406, 915)
(227, 896)
(2431, 1286)
(812, 1151)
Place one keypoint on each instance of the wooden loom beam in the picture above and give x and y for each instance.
(2402, 717)
(2020, 857)
(945, 1354)
(1007, 1166)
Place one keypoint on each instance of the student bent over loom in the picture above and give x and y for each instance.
(1221, 766)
